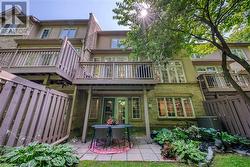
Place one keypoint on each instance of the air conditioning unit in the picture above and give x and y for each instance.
(209, 122)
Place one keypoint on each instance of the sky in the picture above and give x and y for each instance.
(76, 9)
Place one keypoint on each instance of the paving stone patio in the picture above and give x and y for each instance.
(141, 151)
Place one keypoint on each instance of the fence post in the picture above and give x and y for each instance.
(61, 54)
(13, 58)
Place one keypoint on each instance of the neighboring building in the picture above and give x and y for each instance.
(104, 81)
(209, 71)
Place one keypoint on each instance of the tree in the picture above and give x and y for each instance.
(161, 28)
(241, 35)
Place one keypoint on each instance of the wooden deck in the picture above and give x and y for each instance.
(218, 83)
(62, 61)
(115, 73)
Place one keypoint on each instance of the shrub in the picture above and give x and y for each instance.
(227, 138)
(163, 136)
(180, 134)
(167, 151)
(188, 151)
(40, 155)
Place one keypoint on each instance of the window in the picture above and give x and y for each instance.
(173, 73)
(196, 56)
(208, 69)
(116, 43)
(136, 109)
(95, 107)
(45, 33)
(68, 32)
(240, 53)
(9, 28)
(172, 107)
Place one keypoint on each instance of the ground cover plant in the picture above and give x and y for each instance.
(38, 155)
(191, 145)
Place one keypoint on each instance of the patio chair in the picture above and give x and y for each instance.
(118, 136)
(100, 137)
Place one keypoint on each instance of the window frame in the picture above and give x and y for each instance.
(174, 105)
(68, 28)
(41, 34)
(241, 50)
(176, 76)
(139, 110)
(217, 70)
(118, 41)
(98, 108)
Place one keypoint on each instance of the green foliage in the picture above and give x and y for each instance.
(168, 151)
(171, 26)
(163, 136)
(241, 35)
(227, 138)
(180, 134)
(36, 154)
(188, 151)
(208, 134)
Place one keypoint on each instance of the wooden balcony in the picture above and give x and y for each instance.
(62, 61)
(115, 73)
(218, 83)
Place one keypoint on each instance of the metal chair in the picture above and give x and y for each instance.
(100, 136)
(118, 135)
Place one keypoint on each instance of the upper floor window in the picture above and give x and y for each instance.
(175, 107)
(45, 33)
(116, 43)
(68, 32)
(196, 56)
(173, 73)
(10, 26)
(240, 53)
(208, 69)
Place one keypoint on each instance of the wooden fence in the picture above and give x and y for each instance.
(31, 112)
(233, 112)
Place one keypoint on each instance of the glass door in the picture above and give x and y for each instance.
(108, 109)
(117, 108)
(122, 110)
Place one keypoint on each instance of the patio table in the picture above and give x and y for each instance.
(102, 126)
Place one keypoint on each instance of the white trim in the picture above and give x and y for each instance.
(138, 106)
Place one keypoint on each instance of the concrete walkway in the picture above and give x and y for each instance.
(141, 151)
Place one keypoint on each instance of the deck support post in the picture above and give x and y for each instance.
(85, 123)
(146, 115)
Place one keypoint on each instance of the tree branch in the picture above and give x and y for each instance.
(223, 15)
(228, 76)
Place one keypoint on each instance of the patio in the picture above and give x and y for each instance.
(141, 151)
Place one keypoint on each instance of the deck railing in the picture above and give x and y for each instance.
(220, 83)
(63, 60)
(115, 71)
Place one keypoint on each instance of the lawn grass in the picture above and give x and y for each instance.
(220, 160)
(231, 160)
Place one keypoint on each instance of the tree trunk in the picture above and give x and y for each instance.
(228, 76)
(225, 48)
